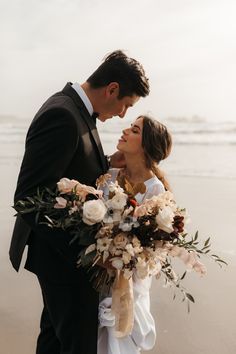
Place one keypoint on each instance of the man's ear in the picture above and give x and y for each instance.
(113, 89)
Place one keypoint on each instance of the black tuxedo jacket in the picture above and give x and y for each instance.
(62, 141)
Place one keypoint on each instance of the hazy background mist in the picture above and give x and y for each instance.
(188, 48)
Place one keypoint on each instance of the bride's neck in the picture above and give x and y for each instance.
(136, 169)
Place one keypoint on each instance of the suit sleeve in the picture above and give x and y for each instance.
(50, 145)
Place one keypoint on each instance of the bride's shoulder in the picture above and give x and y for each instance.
(156, 186)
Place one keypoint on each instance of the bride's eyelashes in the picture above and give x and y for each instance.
(135, 129)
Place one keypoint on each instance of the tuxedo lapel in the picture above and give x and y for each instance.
(93, 129)
(69, 91)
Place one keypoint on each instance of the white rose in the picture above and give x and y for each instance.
(93, 211)
(118, 201)
(165, 218)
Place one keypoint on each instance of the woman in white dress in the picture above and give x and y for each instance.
(144, 145)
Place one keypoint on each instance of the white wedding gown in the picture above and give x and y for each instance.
(143, 335)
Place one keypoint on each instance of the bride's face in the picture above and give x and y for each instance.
(131, 139)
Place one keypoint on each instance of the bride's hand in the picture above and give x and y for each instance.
(117, 160)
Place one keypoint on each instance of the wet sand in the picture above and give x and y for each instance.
(211, 325)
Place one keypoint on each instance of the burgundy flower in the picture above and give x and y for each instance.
(178, 224)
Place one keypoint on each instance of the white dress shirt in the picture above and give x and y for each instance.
(83, 97)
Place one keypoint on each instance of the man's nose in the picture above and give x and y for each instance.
(122, 114)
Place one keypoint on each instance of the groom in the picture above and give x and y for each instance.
(63, 141)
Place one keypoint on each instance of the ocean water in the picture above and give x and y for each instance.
(200, 147)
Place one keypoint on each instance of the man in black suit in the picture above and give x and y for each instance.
(63, 141)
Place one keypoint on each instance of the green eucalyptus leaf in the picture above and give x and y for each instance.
(88, 259)
(31, 200)
(190, 297)
(196, 236)
(221, 261)
(207, 242)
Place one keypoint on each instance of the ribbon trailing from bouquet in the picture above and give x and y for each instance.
(123, 305)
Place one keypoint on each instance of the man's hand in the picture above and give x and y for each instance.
(117, 160)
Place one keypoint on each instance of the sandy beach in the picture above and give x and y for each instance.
(211, 325)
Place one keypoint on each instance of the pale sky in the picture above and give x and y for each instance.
(188, 49)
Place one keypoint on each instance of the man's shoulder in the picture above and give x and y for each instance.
(58, 104)
(62, 105)
(58, 101)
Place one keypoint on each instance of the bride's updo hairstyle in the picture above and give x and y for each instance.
(156, 143)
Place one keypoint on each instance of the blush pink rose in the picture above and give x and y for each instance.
(61, 203)
(65, 185)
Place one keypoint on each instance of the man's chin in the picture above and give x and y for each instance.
(104, 118)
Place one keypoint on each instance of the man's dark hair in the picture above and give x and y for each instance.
(127, 72)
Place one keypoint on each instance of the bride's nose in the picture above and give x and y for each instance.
(125, 131)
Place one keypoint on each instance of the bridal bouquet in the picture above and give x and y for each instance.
(122, 236)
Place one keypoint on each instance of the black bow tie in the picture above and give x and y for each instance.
(94, 116)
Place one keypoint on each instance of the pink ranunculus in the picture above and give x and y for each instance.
(82, 190)
(61, 203)
(65, 185)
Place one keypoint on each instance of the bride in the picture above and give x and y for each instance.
(144, 145)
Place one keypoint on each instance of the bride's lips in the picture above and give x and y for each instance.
(122, 140)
